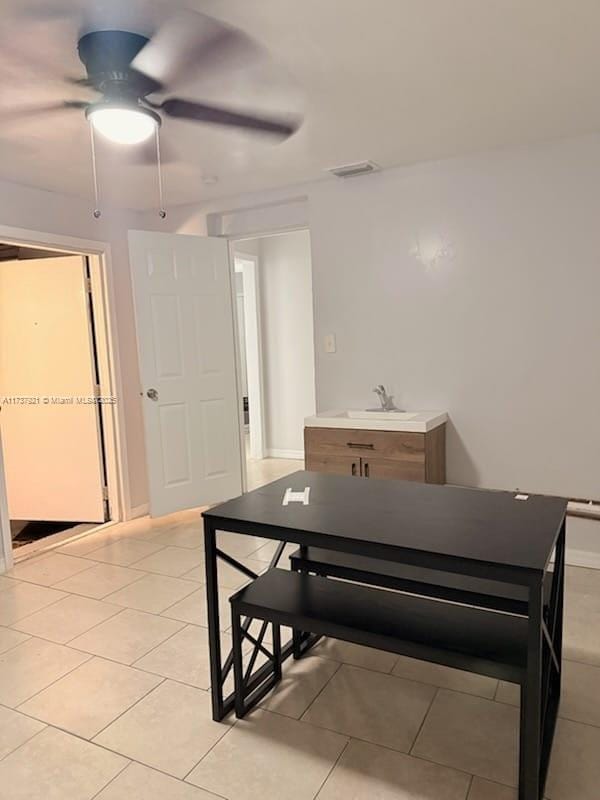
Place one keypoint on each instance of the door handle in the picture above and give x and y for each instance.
(353, 468)
(366, 470)
(152, 394)
(361, 445)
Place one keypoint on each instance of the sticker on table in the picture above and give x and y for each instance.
(296, 497)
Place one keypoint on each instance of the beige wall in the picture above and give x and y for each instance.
(61, 215)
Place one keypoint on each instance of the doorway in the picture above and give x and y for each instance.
(272, 281)
(54, 413)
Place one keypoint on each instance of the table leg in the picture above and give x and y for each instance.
(531, 701)
(214, 629)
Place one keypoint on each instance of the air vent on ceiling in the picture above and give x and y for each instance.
(354, 170)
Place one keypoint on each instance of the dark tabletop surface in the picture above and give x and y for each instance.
(476, 524)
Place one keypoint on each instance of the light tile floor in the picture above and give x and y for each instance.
(104, 693)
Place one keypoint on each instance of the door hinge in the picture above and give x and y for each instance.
(88, 285)
(105, 492)
(97, 390)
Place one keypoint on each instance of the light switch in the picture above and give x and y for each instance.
(330, 343)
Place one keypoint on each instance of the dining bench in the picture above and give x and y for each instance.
(455, 635)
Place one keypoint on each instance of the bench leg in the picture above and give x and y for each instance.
(302, 641)
(251, 688)
(297, 643)
(276, 652)
(238, 665)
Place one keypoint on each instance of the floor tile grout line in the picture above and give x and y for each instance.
(18, 644)
(158, 613)
(114, 778)
(137, 579)
(363, 741)
(29, 738)
(97, 624)
(321, 690)
(17, 707)
(418, 733)
(125, 711)
(160, 644)
(88, 630)
(68, 642)
(130, 759)
(130, 664)
(49, 585)
(469, 787)
(230, 727)
(43, 608)
(334, 765)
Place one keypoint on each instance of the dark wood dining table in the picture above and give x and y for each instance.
(503, 538)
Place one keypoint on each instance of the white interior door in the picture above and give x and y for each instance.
(184, 320)
(51, 443)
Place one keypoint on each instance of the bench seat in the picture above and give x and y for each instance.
(415, 580)
(464, 637)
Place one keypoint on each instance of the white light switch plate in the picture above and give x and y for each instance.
(330, 343)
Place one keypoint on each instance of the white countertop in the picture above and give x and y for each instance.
(415, 421)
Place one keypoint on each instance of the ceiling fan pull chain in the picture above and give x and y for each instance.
(161, 207)
(97, 212)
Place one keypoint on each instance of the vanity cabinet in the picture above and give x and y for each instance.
(377, 454)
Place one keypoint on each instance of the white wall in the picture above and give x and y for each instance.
(469, 285)
(473, 286)
(287, 340)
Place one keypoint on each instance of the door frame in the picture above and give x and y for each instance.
(253, 354)
(103, 299)
(234, 240)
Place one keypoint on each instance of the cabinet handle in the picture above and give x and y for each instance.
(360, 445)
(366, 470)
(353, 468)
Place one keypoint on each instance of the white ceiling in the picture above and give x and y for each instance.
(396, 81)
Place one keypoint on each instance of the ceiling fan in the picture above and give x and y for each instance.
(114, 61)
(127, 69)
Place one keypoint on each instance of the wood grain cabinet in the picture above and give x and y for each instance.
(377, 454)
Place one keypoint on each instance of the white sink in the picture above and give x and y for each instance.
(377, 420)
(396, 416)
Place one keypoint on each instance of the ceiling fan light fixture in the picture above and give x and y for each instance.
(123, 124)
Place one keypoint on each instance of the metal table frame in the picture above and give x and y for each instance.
(541, 683)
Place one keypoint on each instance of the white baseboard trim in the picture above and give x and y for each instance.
(138, 511)
(582, 558)
(275, 453)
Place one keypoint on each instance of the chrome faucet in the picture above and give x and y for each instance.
(386, 400)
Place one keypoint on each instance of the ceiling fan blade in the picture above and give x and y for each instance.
(192, 43)
(199, 112)
(23, 112)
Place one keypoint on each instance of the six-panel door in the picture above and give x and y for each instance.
(184, 322)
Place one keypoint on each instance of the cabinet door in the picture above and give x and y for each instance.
(338, 465)
(390, 468)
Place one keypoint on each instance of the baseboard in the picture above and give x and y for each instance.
(582, 558)
(275, 453)
(138, 511)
